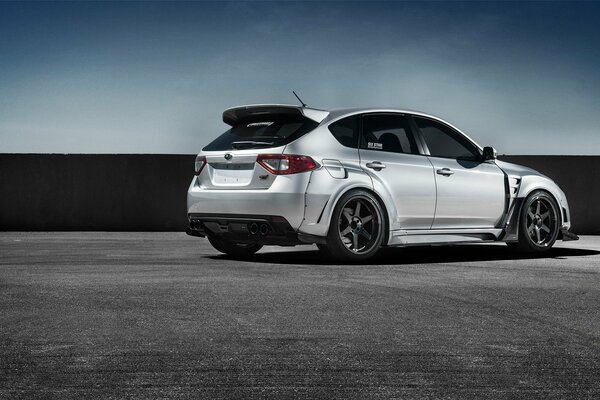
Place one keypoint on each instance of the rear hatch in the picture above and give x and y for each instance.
(231, 159)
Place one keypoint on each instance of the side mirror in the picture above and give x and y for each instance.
(489, 153)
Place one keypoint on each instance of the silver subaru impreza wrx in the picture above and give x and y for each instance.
(355, 180)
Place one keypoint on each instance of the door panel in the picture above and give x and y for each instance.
(409, 180)
(470, 194)
(389, 153)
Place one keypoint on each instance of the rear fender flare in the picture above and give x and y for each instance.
(335, 189)
(375, 194)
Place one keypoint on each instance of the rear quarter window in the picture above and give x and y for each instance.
(346, 131)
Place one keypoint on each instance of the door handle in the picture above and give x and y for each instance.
(445, 171)
(376, 165)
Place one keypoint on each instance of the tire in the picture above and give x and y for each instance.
(358, 227)
(238, 250)
(539, 223)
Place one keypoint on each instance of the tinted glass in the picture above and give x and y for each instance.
(388, 132)
(445, 142)
(262, 131)
(346, 131)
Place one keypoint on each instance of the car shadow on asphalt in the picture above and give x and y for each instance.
(419, 255)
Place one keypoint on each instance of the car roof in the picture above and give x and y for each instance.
(329, 114)
(326, 116)
(342, 112)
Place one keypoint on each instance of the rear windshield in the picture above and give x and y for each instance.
(262, 131)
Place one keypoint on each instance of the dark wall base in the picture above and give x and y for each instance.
(579, 178)
(121, 192)
(131, 192)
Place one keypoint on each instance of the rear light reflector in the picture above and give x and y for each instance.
(285, 164)
(199, 164)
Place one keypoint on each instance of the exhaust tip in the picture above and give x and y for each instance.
(253, 228)
(195, 224)
(264, 229)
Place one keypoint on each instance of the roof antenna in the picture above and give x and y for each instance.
(299, 99)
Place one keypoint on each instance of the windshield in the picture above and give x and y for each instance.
(262, 131)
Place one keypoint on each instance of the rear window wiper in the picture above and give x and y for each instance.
(249, 143)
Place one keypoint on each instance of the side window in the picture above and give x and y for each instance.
(346, 131)
(388, 132)
(445, 142)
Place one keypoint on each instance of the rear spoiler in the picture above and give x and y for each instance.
(232, 115)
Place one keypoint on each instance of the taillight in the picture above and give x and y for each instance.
(284, 164)
(199, 164)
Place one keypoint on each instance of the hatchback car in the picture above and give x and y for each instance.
(353, 181)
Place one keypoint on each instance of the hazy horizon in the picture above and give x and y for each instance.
(155, 77)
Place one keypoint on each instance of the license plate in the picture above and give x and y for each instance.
(232, 176)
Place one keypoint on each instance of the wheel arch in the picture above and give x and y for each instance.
(324, 193)
(511, 233)
(531, 183)
(385, 208)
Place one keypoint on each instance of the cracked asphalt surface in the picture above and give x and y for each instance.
(163, 315)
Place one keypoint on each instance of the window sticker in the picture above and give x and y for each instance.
(376, 146)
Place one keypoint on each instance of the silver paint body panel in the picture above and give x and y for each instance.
(407, 182)
(472, 197)
(475, 203)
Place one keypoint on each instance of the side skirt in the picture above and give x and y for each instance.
(443, 236)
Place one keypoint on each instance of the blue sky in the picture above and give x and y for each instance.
(155, 77)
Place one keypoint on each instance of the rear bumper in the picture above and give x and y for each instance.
(285, 198)
(261, 229)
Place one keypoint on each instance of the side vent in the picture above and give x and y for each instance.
(513, 184)
(322, 211)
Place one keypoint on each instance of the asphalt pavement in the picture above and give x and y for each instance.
(99, 315)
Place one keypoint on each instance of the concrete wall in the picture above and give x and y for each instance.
(94, 192)
(148, 192)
